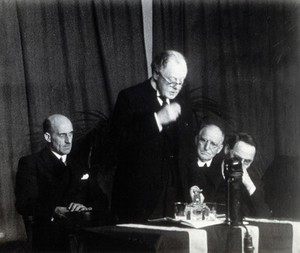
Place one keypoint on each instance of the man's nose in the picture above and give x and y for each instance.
(243, 162)
(68, 139)
(207, 145)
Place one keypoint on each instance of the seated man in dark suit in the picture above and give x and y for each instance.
(242, 147)
(206, 173)
(53, 188)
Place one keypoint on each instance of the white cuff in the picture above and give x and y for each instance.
(251, 189)
(160, 127)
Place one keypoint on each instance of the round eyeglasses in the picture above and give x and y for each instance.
(172, 84)
(211, 144)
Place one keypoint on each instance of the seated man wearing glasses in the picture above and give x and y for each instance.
(151, 131)
(206, 171)
(242, 146)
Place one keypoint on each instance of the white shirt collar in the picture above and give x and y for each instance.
(201, 164)
(153, 84)
(62, 157)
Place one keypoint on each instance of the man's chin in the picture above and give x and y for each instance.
(172, 95)
(66, 151)
(205, 158)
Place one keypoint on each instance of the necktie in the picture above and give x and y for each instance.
(65, 163)
(164, 100)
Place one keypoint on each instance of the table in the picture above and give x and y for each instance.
(267, 235)
(278, 235)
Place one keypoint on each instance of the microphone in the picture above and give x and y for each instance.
(248, 245)
(233, 174)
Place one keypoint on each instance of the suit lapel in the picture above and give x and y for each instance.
(151, 97)
(53, 164)
(57, 171)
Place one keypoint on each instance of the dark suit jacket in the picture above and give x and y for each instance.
(282, 187)
(140, 148)
(255, 204)
(208, 179)
(214, 188)
(44, 182)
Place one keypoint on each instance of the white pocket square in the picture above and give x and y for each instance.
(85, 176)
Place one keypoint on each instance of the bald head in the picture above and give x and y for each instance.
(58, 132)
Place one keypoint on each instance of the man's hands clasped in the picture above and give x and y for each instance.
(62, 211)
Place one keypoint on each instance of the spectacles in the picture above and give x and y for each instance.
(205, 142)
(171, 83)
(245, 162)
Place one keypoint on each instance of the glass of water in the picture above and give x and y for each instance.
(179, 210)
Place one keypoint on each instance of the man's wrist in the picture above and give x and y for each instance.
(159, 125)
(251, 188)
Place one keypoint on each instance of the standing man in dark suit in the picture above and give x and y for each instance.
(206, 168)
(51, 187)
(151, 129)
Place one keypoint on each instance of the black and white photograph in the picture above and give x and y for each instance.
(150, 126)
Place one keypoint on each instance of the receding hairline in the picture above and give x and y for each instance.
(215, 126)
(245, 143)
(161, 60)
(241, 136)
(52, 120)
(212, 125)
(178, 57)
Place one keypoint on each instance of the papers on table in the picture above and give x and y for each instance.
(189, 223)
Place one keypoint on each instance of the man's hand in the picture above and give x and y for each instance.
(169, 113)
(61, 211)
(194, 191)
(76, 207)
(248, 182)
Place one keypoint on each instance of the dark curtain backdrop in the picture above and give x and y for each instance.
(59, 56)
(245, 55)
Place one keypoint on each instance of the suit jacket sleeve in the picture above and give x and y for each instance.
(261, 209)
(26, 187)
(95, 197)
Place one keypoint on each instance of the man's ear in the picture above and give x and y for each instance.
(220, 148)
(196, 140)
(47, 137)
(155, 75)
(226, 150)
